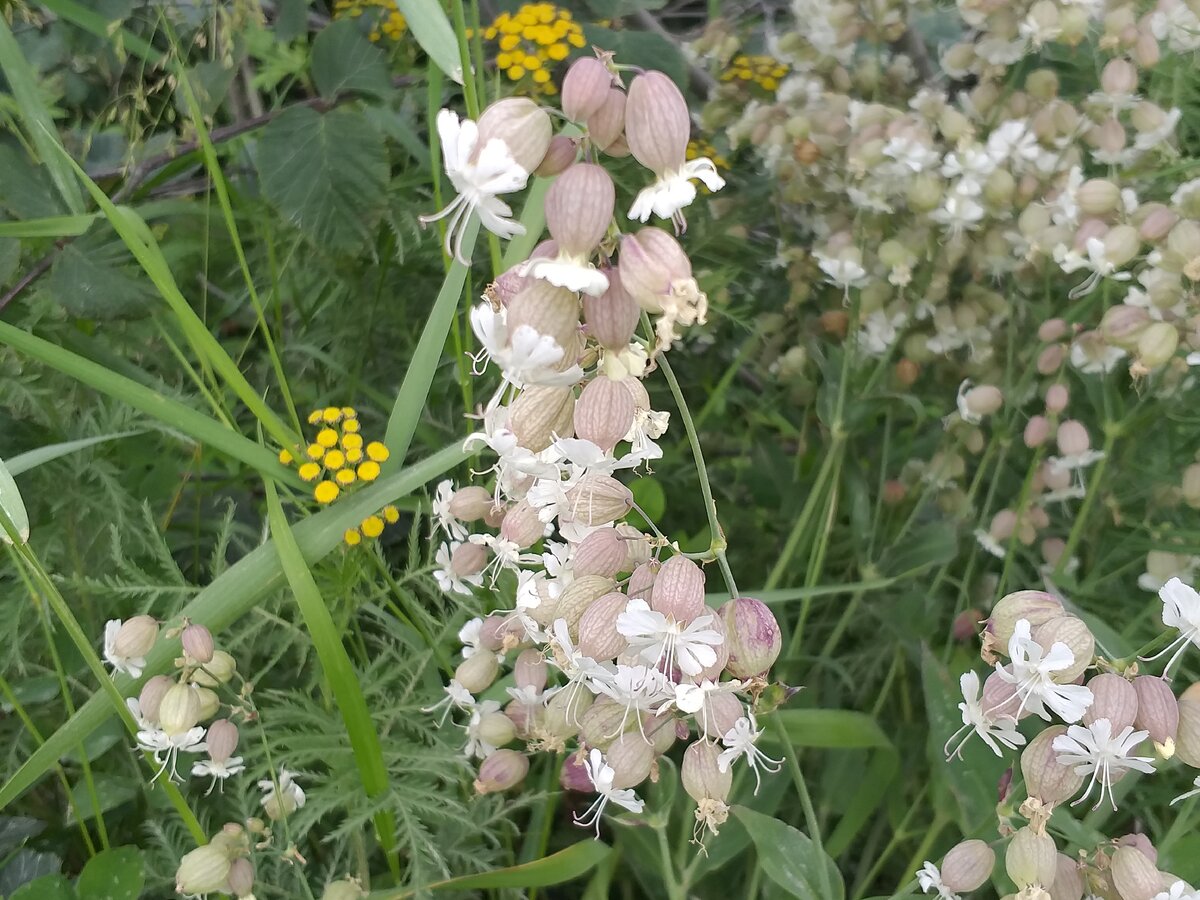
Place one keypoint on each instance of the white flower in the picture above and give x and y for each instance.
(1094, 356)
(1093, 750)
(930, 879)
(166, 748)
(662, 640)
(1181, 610)
(1032, 673)
(575, 273)
(959, 212)
(476, 745)
(457, 697)
(478, 178)
(471, 636)
(674, 190)
(525, 357)
(130, 665)
(289, 790)
(976, 720)
(135, 710)
(505, 555)
(449, 580)
(1192, 793)
(1148, 140)
(454, 529)
(696, 699)
(1179, 890)
(1012, 140)
(990, 544)
(911, 155)
(637, 689)
(602, 775)
(1070, 260)
(844, 271)
(1185, 192)
(740, 740)
(217, 770)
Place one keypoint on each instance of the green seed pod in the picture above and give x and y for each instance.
(1031, 858)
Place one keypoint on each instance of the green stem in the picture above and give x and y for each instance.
(810, 814)
(1111, 432)
(676, 890)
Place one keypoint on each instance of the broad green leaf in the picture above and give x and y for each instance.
(789, 857)
(326, 173)
(230, 596)
(836, 728)
(90, 288)
(24, 866)
(48, 887)
(344, 60)
(26, 192)
(428, 23)
(115, 874)
(111, 791)
(13, 506)
(16, 830)
(23, 462)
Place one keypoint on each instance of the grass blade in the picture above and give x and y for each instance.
(23, 462)
(12, 506)
(335, 662)
(231, 595)
(429, 25)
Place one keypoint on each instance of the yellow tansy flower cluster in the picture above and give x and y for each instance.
(530, 41)
(389, 22)
(764, 71)
(702, 148)
(338, 459)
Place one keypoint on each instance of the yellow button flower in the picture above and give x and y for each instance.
(310, 471)
(345, 477)
(352, 441)
(372, 526)
(377, 451)
(352, 537)
(326, 492)
(351, 427)
(331, 414)
(368, 471)
(285, 457)
(335, 459)
(391, 514)
(327, 437)
(315, 451)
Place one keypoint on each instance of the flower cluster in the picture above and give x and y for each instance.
(222, 866)
(1115, 722)
(531, 41)
(388, 21)
(764, 72)
(613, 650)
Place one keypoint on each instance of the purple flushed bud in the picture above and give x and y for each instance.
(641, 582)
(599, 500)
(964, 626)
(1157, 713)
(679, 589)
(967, 866)
(502, 770)
(1052, 551)
(1046, 779)
(559, 155)
(197, 643)
(1133, 875)
(151, 696)
(540, 414)
(611, 317)
(604, 721)
(1037, 431)
(477, 672)
(598, 635)
(1141, 843)
(637, 547)
(1051, 358)
(526, 718)
(1053, 330)
(529, 671)
(1000, 698)
(607, 124)
(980, 401)
(1035, 607)
(1068, 881)
(1119, 77)
(1122, 325)
(752, 635)
(1073, 632)
(1157, 223)
(546, 308)
(658, 275)
(241, 878)
(619, 148)
(585, 88)
(707, 784)
(136, 636)
(496, 728)
(1057, 397)
(179, 710)
(222, 740)
(573, 776)
(604, 412)
(1031, 858)
(468, 559)
(602, 552)
(523, 127)
(511, 282)
(492, 632)
(578, 597)
(522, 526)
(1072, 438)
(630, 757)
(1113, 698)
(719, 716)
(579, 209)
(1187, 733)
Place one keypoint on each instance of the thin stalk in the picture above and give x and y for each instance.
(810, 814)
(676, 890)
(1110, 438)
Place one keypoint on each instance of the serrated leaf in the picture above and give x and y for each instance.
(12, 506)
(789, 858)
(115, 874)
(48, 887)
(88, 288)
(24, 867)
(111, 791)
(327, 174)
(344, 60)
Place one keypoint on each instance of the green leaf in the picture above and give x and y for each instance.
(327, 174)
(49, 226)
(648, 494)
(12, 505)
(31, 459)
(928, 546)
(16, 830)
(344, 60)
(48, 887)
(115, 874)
(428, 23)
(24, 866)
(789, 858)
(101, 27)
(835, 728)
(89, 288)
(230, 596)
(111, 791)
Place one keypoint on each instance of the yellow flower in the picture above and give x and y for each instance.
(352, 441)
(367, 471)
(354, 455)
(351, 427)
(327, 437)
(372, 526)
(314, 417)
(391, 514)
(331, 414)
(335, 459)
(352, 537)
(309, 471)
(326, 492)
(558, 52)
(315, 451)
(345, 477)
(509, 42)
(377, 451)
(285, 457)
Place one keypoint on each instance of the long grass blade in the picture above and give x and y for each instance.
(23, 462)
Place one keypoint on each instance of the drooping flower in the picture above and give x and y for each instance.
(457, 697)
(449, 580)
(218, 770)
(525, 357)
(662, 641)
(130, 665)
(602, 776)
(741, 740)
(929, 878)
(976, 720)
(442, 517)
(1094, 750)
(476, 744)
(286, 799)
(1179, 890)
(1032, 673)
(1181, 610)
(165, 748)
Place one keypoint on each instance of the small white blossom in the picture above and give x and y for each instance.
(476, 746)
(741, 740)
(130, 665)
(1192, 793)
(457, 697)
(674, 190)
(1181, 610)
(166, 748)
(976, 720)
(1094, 750)
(660, 640)
(602, 776)
(218, 770)
(454, 529)
(929, 878)
(447, 579)
(289, 790)
(1032, 672)
(1179, 890)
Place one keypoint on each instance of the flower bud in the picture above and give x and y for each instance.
(1046, 778)
(657, 124)
(468, 559)
(565, 711)
(179, 710)
(722, 713)
(637, 546)
(241, 877)
(604, 721)
(1072, 439)
(151, 696)
(603, 552)
(607, 124)
(578, 597)
(1157, 344)
(559, 156)
(598, 635)
(1052, 330)
(702, 777)
(197, 643)
(522, 125)
(967, 866)
(222, 740)
(540, 414)
(1122, 324)
(1035, 607)
(344, 889)
(574, 776)
(599, 500)
(1068, 882)
(502, 770)
(585, 87)
(1074, 633)
(496, 728)
(1141, 843)
(1157, 223)
(651, 263)
(630, 757)
(1098, 196)
(1133, 875)
(1031, 858)
(752, 635)
(477, 672)
(1157, 713)
(641, 582)
(136, 636)
(612, 317)
(546, 308)
(579, 208)
(203, 871)
(217, 671)
(1187, 733)
(679, 589)
(529, 671)
(1051, 358)
(1113, 698)
(604, 413)
(471, 503)
(984, 400)
(522, 526)
(1037, 430)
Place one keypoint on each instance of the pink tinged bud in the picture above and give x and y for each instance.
(585, 88)
(203, 871)
(1157, 712)
(197, 643)
(560, 154)
(1157, 224)
(522, 526)
(1051, 358)
(598, 635)
(702, 777)
(612, 317)
(501, 771)
(630, 757)
(1072, 438)
(641, 582)
(1068, 882)
(1034, 606)
(468, 559)
(967, 866)
(1057, 397)
(222, 739)
(522, 125)
(1052, 330)
(1133, 875)
(1052, 550)
(679, 589)
(599, 500)
(619, 148)
(1140, 843)
(602, 553)
(530, 670)
(540, 414)
(578, 598)
(546, 308)
(496, 729)
(657, 125)
(606, 125)
(574, 775)
(965, 624)
(650, 264)
(179, 710)
(241, 877)
(1119, 77)
(1187, 734)
(1122, 324)
(604, 721)
(722, 713)
(1037, 431)
(1146, 52)
(713, 672)
(468, 504)
(604, 413)
(637, 547)
(1031, 858)
(1113, 698)
(1045, 777)
(1073, 632)
(477, 672)
(151, 696)
(661, 731)
(984, 400)
(1000, 698)
(510, 283)
(525, 718)
(492, 632)
(136, 637)
(752, 635)
(579, 209)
